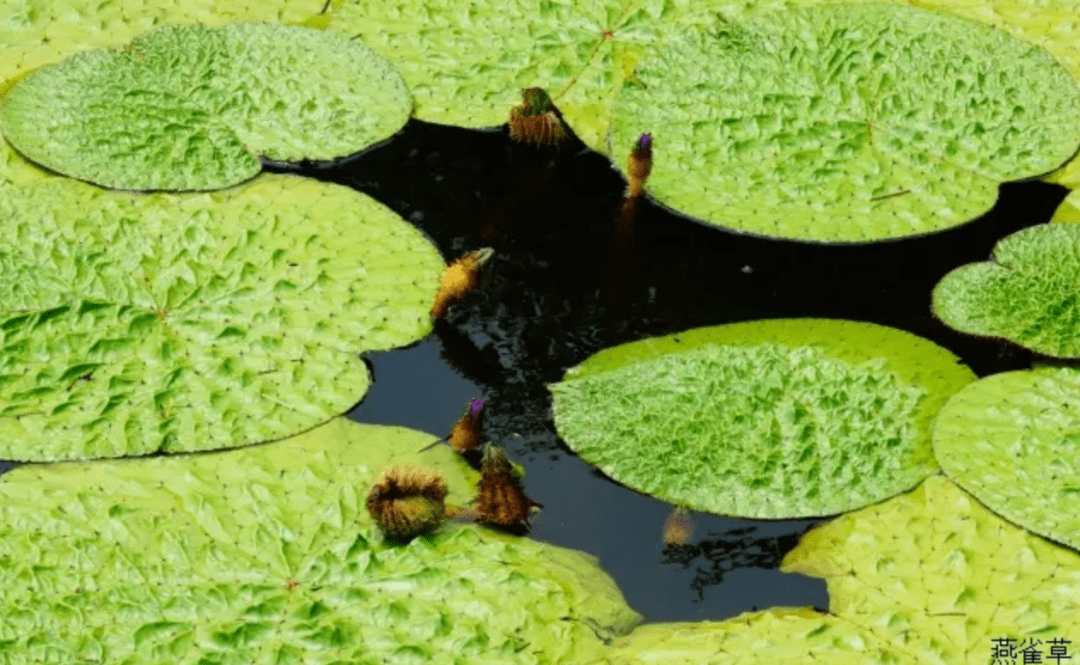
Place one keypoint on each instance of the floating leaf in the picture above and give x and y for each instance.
(846, 122)
(926, 577)
(137, 323)
(37, 33)
(1069, 210)
(466, 62)
(1013, 440)
(193, 107)
(1026, 295)
(766, 419)
(267, 554)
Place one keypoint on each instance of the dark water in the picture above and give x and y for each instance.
(564, 284)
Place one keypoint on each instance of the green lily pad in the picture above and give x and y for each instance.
(926, 577)
(37, 32)
(1013, 440)
(134, 323)
(1069, 210)
(193, 107)
(846, 123)
(466, 62)
(268, 555)
(1026, 295)
(767, 419)
(43, 33)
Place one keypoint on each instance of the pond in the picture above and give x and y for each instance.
(566, 283)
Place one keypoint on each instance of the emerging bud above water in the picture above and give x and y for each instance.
(459, 278)
(465, 435)
(639, 166)
(678, 529)
(501, 500)
(407, 502)
(536, 120)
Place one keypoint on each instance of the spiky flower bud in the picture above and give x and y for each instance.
(639, 165)
(678, 529)
(501, 500)
(465, 435)
(459, 278)
(536, 120)
(407, 501)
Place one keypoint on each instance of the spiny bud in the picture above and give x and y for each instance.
(407, 501)
(465, 435)
(678, 529)
(459, 278)
(639, 166)
(536, 120)
(501, 500)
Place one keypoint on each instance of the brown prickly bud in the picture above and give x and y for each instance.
(639, 165)
(407, 501)
(678, 529)
(465, 435)
(536, 120)
(459, 278)
(501, 500)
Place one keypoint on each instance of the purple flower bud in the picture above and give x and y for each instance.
(644, 142)
(475, 405)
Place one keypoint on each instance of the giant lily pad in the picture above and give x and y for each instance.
(1069, 210)
(41, 32)
(1013, 440)
(1026, 295)
(845, 122)
(767, 419)
(33, 34)
(267, 554)
(926, 577)
(193, 107)
(139, 323)
(465, 62)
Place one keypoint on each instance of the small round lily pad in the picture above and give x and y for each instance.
(1013, 440)
(194, 107)
(845, 123)
(768, 419)
(1027, 294)
(133, 323)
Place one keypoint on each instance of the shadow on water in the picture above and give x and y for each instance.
(565, 283)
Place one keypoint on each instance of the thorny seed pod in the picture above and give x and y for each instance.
(459, 278)
(639, 166)
(501, 500)
(407, 501)
(536, 120)
(465, 435)
(678, 529)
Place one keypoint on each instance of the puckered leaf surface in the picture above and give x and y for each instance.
(193, 107)
(41, 32)
(466, 61)
(136, 323)
(1013, 440)
(1026, 295)
(845, 122)
(268, 555)
(929, 577)
(768, 419)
